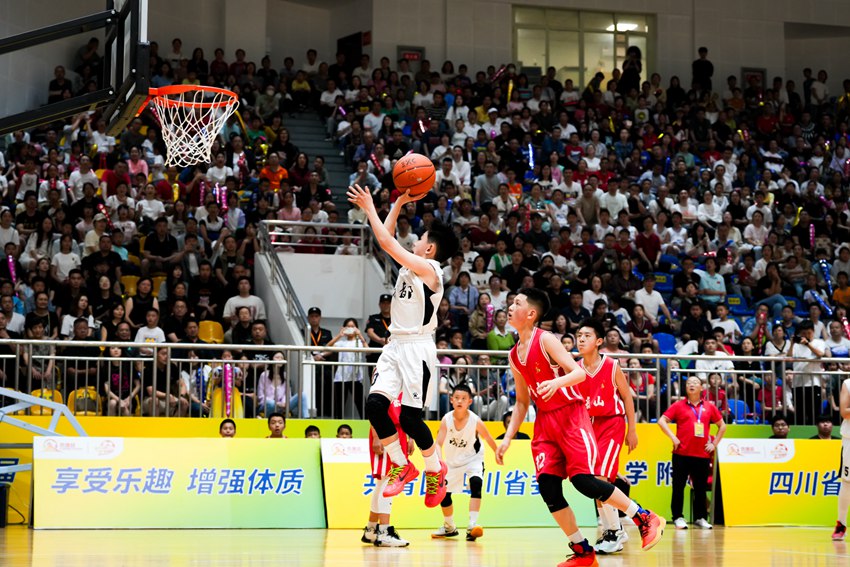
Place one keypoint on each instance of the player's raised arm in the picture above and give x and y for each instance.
(558, 354)
(517, 416)
(363, 198)
(626, 394)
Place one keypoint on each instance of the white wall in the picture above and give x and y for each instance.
(819, 53)
(348, 17)
(293, 28)
(198, 23)
(24, 75)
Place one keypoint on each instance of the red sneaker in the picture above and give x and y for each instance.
(398, 477)
(583, 556)
(838, 533)
(651, 527)
(435, 486)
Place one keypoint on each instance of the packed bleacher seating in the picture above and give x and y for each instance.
(700, 221)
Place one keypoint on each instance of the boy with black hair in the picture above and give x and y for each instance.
(609, 403)
(227, 428)
(464, 454)
(409, 360)
(312, 432)
(277, 423)
(563, 444)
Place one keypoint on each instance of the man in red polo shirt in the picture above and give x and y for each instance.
(693, 449)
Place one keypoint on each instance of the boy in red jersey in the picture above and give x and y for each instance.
(608, 399)
(378, 530)
(563, 445)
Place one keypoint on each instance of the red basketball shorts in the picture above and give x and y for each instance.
(563, 443)
(610, 431)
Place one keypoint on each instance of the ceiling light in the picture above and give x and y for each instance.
(623, 27)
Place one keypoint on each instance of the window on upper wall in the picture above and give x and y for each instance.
(580, 43)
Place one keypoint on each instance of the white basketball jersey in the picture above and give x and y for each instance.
(463, 446)
(414, 306)
(845, 423)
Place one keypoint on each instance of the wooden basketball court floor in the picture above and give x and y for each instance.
(537, 547)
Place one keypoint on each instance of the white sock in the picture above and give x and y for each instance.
(396, 453)
(372, 525)
(632, 509)
(610, 517)
(432, 462)
(473, 518)
(843, 502)
(449, 520)
(576, 537)
(382, 528)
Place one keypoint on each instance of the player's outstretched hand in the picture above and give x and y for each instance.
(360, 196)
(500, 452)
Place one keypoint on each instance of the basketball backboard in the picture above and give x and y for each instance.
(127, 60)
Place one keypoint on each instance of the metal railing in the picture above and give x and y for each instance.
(338, 387)
(293, 307)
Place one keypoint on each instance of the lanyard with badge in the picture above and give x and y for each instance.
(699, 427)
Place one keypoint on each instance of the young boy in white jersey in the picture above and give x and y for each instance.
(408, 362)
(464, 456)
(608, 399)
(844, 490)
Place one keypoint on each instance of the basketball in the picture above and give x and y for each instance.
(414, 174)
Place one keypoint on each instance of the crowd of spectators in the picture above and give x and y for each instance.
(703, 220)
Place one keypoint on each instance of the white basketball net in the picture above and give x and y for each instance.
(191, 121)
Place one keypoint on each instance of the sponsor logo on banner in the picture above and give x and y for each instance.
(756, 450)
(345, 450)
(83, 448)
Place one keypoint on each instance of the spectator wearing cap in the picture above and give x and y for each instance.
(319, 337)
(378, 326)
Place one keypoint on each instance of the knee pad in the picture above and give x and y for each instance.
(590, 486)
(623, 485)
(412, 424)
(447, 500)
(377, 412)
(475, 485)
(552, 492)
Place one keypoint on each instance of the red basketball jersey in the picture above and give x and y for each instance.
(600, 389)
(381, 464)
(539, 368)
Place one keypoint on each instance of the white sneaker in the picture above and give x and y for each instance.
(703, 524)
(390, 538)
(681, 524)
(608, 544)
(445, 531)
(369, 535)
(622, 535)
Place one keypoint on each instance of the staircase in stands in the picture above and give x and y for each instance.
(307, 132)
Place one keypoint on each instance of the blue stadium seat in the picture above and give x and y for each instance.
(663, 283)
(666, 343)
(738, 306)
(739, 410)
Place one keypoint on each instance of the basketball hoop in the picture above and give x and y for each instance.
(191, 117)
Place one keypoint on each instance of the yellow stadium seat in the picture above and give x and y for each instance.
(142, 240)
(46, 394)
(211, 332)
(134, 260)
(217, 407)
(157, 283)
(85, 401)
(129, 283)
